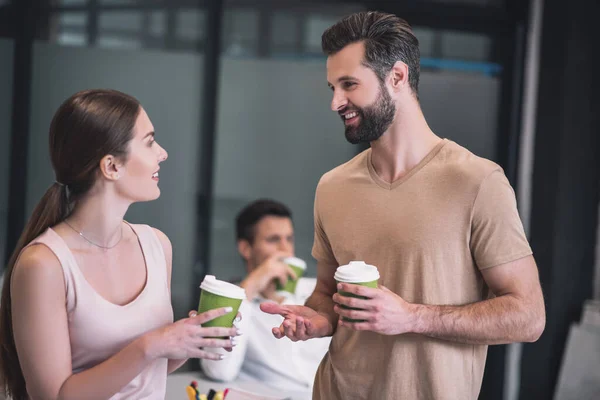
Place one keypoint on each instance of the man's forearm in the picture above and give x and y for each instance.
(504, 319)
(251, 285)
(323, 304)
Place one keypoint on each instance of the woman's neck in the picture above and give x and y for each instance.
(98, 217)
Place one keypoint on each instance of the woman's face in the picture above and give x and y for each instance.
(139, 176)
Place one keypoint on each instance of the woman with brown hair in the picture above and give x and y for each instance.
(86, 309)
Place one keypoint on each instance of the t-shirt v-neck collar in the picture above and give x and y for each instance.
(390, 186)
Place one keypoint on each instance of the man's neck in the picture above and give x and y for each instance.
(406, 142)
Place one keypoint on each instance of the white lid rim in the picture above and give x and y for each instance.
(222, 288)
(356, 272)
(295, 261)
(356, 280)
(238, 296)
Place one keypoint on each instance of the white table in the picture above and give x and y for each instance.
(177, 382)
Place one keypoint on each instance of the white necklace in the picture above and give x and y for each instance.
(95, 244)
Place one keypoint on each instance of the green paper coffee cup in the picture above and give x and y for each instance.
(356, 273)
(299, 266)
(217, 294)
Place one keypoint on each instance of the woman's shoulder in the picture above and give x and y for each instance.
(160, 235)
(37, 254)
(37, 262)
(164, 239)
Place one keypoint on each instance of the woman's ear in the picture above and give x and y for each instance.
(110, 167)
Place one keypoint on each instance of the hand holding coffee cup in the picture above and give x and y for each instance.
(271, 273)
(378, 310)
(216, 294)
(190, 338)
(356, 273)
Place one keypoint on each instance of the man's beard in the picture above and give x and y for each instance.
(373, 121)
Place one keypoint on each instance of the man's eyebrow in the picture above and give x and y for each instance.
(346, 78)
(343, 78)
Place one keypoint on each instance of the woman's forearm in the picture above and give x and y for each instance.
(109, 377)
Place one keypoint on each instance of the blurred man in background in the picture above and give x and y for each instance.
(265, 235)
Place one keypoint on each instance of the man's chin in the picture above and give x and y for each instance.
(353, 137)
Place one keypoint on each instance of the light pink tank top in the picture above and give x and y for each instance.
(98, 328)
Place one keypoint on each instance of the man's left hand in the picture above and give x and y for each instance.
(383, 311)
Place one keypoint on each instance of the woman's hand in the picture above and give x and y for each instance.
(186, 338)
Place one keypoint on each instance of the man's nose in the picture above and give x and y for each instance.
(286, 247)
(339, 101)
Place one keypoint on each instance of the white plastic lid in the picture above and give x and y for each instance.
(356, 271)
(296, 262)
(222, 288)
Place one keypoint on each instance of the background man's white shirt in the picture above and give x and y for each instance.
(260, 357)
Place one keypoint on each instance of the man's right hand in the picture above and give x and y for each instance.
(265, 274)
(300, 322)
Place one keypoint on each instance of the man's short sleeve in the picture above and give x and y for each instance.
(321, 251)
(497, 235)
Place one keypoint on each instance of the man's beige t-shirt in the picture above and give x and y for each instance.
(429, 234)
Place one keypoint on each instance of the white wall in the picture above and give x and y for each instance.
(6, 78)
(169, 86)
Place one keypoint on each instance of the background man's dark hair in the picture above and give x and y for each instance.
(387, 39)
(249, 216)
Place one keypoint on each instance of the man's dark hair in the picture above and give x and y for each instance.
(387, 39)
(249, 216)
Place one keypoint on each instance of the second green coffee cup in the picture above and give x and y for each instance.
(299, 266)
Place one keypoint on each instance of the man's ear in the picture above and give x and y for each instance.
(245, 249)
(399, 76)
(110, 167)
